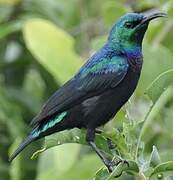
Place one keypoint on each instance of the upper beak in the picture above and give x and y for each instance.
(149, 16)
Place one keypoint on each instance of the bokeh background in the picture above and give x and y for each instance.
(42, 44)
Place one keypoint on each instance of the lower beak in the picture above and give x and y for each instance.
(149, 16)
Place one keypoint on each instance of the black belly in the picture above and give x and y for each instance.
(98, 110)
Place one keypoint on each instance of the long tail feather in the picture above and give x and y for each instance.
(25, 143)
(38, 132)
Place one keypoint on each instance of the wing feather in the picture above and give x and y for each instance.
(93, 79)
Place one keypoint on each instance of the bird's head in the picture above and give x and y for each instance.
(130, 29)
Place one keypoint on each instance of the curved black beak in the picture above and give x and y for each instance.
(149, 16)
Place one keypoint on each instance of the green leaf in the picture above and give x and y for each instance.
(72, 136)
(51, 162)
(159, 85)
(103, 173)
(154, 110)
(78, 136)
(153, 57)
(150, 116)
(52, 47)
(163, 168)
(155, 158)
(131, 168)
(10, 27)
(85, 167)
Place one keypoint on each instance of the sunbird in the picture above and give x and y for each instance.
(99, 89)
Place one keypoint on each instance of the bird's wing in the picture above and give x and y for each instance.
(92, 80)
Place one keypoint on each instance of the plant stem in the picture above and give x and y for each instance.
(141, 176)
(154, 110)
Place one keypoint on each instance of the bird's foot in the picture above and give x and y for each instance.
(111, 164)
(122, 161)
(111, 145)
(99, 131)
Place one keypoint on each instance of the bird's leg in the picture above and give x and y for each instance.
(117, 159)
(90, 136)
(90, 139)
(111, 146)
(98, 131)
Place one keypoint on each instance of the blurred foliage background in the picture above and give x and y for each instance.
(42, 44)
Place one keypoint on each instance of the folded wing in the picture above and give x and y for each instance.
(93, 79)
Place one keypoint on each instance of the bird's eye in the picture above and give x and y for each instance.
(132, 24)
(129, 25)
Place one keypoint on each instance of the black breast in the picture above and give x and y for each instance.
(100, 109)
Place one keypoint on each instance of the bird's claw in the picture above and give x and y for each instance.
(110, 165)
(126, 162)
(111, 145)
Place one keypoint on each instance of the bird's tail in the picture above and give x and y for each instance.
(25, 143)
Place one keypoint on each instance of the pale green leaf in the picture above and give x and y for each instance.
(163, 168)
(52, 47)
(155, 158)
(103, 174)
(157, 59)
(72, 136)
(159, 85)
(78, 136)
(57, 161)
(84, 168)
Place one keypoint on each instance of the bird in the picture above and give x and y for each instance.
(99, 89)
